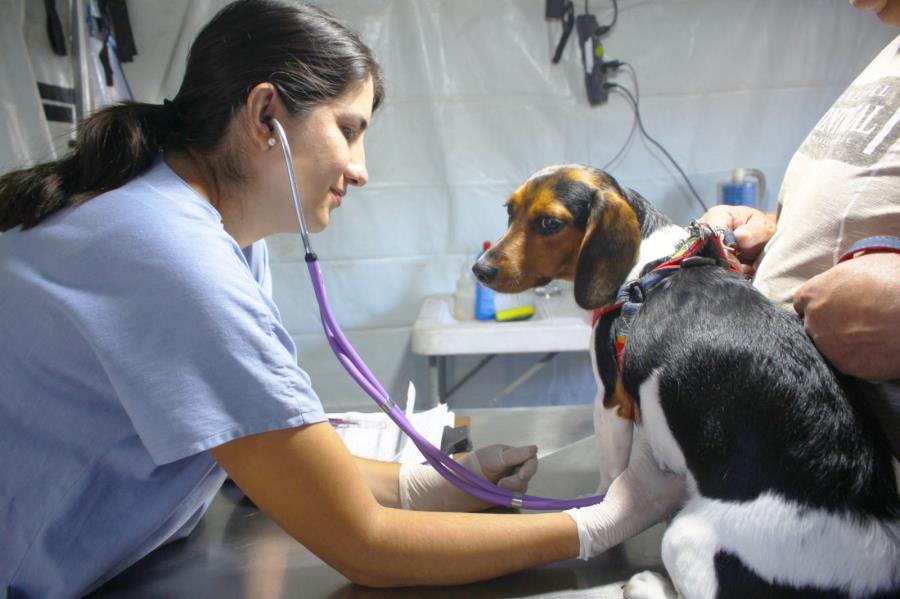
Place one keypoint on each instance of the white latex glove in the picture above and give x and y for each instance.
(423, 489)
(638, 498)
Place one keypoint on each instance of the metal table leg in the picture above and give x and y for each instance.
(442, 378)
(434, 391)
(525, 376)
(468, 375)
(437, 377)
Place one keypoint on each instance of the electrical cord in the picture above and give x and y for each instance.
(637, 91)
(605, 28)
(640, 123)
(625, 146)
(615, 65)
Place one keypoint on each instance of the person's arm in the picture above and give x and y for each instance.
(310, 485)
(852, 313)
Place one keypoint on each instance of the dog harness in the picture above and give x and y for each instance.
(703, 247)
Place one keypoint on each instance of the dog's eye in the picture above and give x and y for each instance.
(549, 225)
(509, 210)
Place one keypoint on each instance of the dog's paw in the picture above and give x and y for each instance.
(649, 585)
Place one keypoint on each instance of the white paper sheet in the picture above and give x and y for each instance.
(373, 435)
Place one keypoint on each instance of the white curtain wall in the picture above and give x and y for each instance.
(474, 106)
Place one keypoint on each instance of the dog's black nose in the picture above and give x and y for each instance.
(484, 272)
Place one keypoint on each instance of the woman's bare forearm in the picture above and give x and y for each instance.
(433, 548)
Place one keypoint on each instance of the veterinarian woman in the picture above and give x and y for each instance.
(841, 188)
(142, 357)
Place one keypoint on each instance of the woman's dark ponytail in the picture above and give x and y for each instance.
(112, 146)
(304, 52)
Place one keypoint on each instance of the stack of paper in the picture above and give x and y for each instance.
(375, 436)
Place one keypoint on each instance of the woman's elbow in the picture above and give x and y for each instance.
(373, 580)
(368, 572)
(371, 560)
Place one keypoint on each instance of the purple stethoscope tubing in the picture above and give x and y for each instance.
(458, 475)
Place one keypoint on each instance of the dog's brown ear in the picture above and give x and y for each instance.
(609, 250)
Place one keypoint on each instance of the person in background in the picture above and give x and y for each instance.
(841, 188)
(142, 357)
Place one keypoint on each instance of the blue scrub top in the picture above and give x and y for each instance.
(134, 335)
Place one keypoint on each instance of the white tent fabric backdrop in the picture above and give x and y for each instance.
(474, 106)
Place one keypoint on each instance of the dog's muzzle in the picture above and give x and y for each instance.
(484, 272)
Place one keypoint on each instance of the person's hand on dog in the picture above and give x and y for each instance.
(852, 313)
(640, 497)
(423, 488)
(752, 229)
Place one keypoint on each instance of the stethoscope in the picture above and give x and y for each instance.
(456, 474)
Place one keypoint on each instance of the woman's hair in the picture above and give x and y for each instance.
(305, 53)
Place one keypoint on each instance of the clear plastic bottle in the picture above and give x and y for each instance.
(464, 298)
(484, 297)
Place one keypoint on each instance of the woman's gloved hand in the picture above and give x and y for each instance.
(640, 497)
(423, 488)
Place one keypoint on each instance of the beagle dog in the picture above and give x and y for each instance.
(791, 490)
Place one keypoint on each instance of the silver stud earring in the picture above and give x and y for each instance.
(271, 142)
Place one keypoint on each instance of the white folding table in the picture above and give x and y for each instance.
(558, 325)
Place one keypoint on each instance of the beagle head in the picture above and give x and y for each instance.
(566, 222)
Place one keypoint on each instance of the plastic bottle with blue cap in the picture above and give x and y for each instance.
(746, 188)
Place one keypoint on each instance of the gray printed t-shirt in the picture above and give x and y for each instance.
(842, 185)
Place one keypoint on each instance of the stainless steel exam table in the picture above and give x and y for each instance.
(236, 551)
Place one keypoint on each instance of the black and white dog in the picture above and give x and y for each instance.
(791, 487)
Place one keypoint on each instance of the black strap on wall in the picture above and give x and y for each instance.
(56, 93)
(116, 13)
(568, 19)
(58, 102)
(54, 29)
(56, 113)
(107, 65)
